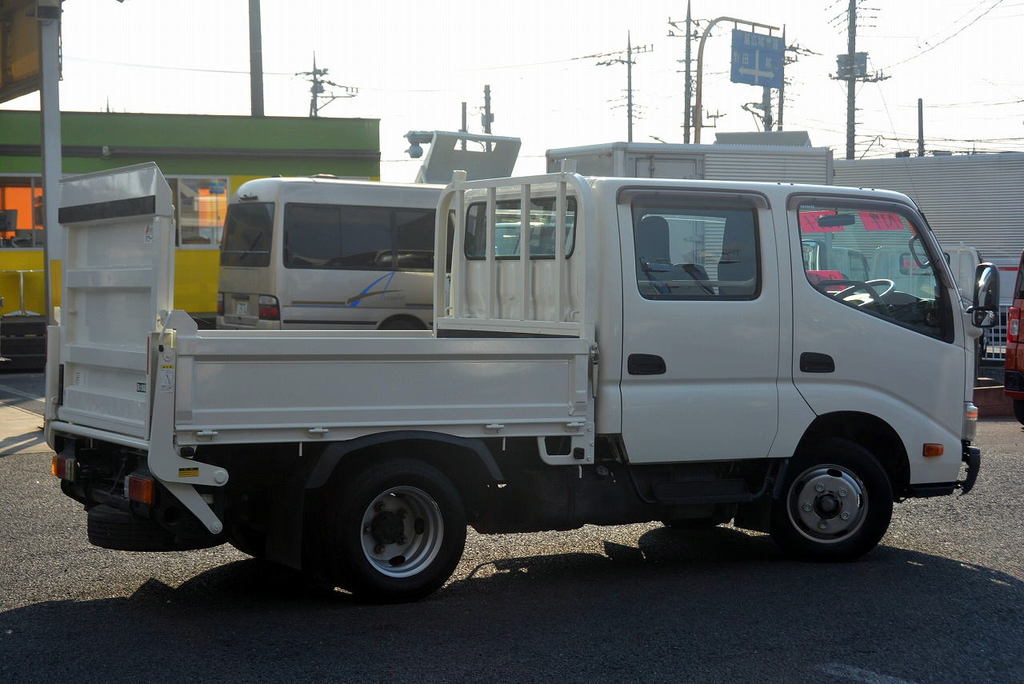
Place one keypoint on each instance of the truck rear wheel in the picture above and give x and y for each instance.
(395, 530)
(836, 505)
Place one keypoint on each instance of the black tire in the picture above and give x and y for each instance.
(1018, 410)
(394, 531)
(248, 541)
(402, 323)
(827, 480)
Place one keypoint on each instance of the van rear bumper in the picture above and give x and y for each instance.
(972, 457)
(1013, 384)
(225, 323)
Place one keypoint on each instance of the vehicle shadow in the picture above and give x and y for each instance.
(679, 606)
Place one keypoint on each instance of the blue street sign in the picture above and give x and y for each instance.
(757, 59)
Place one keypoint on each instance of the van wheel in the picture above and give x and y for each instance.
(836, 505)
(1018, 410)
(395, 530)
(402, 323)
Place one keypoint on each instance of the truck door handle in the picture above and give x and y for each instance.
(645, 364)
(813, 362)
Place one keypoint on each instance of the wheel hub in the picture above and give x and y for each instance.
(827, 503)
(402, 531)
(388, 527)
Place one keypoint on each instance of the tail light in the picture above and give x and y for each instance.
(220, 303)
(270, 310)
(64, 467)
(1013, 325)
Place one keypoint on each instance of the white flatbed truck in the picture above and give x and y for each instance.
(650, 350)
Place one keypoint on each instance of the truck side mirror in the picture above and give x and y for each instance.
(986, 296)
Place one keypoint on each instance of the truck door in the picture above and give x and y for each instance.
(700, 334)
(877, 335)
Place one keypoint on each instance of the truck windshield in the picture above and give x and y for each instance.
(247, 235)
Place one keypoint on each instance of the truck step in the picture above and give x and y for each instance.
(702, 491)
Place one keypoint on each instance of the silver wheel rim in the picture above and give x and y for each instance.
(401, 531)
(827, 504)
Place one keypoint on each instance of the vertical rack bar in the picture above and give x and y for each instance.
(492, 271)
(525, 267)
(458, 256)
(560, 263)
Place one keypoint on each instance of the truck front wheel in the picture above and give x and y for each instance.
(395, 531)
(836, 505)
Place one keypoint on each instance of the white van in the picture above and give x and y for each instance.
(315, 253)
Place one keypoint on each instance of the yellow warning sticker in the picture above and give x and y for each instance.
(188, 472)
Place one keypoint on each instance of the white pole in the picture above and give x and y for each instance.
(49, 107)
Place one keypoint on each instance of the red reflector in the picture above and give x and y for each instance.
(1013, 325)
(140, 488)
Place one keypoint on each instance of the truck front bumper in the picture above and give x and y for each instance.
(970, 456)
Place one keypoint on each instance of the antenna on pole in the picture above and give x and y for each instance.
(318, 97)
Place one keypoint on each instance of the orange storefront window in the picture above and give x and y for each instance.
(20, 204)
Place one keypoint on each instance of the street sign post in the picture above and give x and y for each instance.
(757, 59)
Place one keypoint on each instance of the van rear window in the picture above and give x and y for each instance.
(247, 235)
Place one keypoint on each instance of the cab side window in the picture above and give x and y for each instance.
(872, 258)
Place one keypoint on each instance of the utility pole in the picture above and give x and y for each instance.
(487, 118)
(687, 70)
(629, 88)
(464, 128)
(853, 67)
(782, 88)
(688, 88)
(851, 81)
(316, 90)
(628, 61)
(920, 127)
(255, 58)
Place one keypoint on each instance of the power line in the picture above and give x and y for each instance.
(946, 40)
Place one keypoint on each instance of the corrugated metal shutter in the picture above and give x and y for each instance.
(974, 199)
(773, 168)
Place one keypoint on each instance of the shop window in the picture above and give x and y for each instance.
(21, 209)
(202, 204)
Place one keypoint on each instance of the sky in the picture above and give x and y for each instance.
(415, 62)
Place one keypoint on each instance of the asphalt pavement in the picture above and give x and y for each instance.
(940, 600)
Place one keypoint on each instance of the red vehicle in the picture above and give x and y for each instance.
(1014, 380)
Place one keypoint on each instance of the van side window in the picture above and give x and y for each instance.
(687, 251)
(325, 236)
(872, 258)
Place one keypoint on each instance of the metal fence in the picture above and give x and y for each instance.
(995, 338)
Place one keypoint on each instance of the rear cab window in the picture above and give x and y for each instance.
(695, 249)
(541, 231)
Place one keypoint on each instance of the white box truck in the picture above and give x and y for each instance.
(746, 162)
(606, 351)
